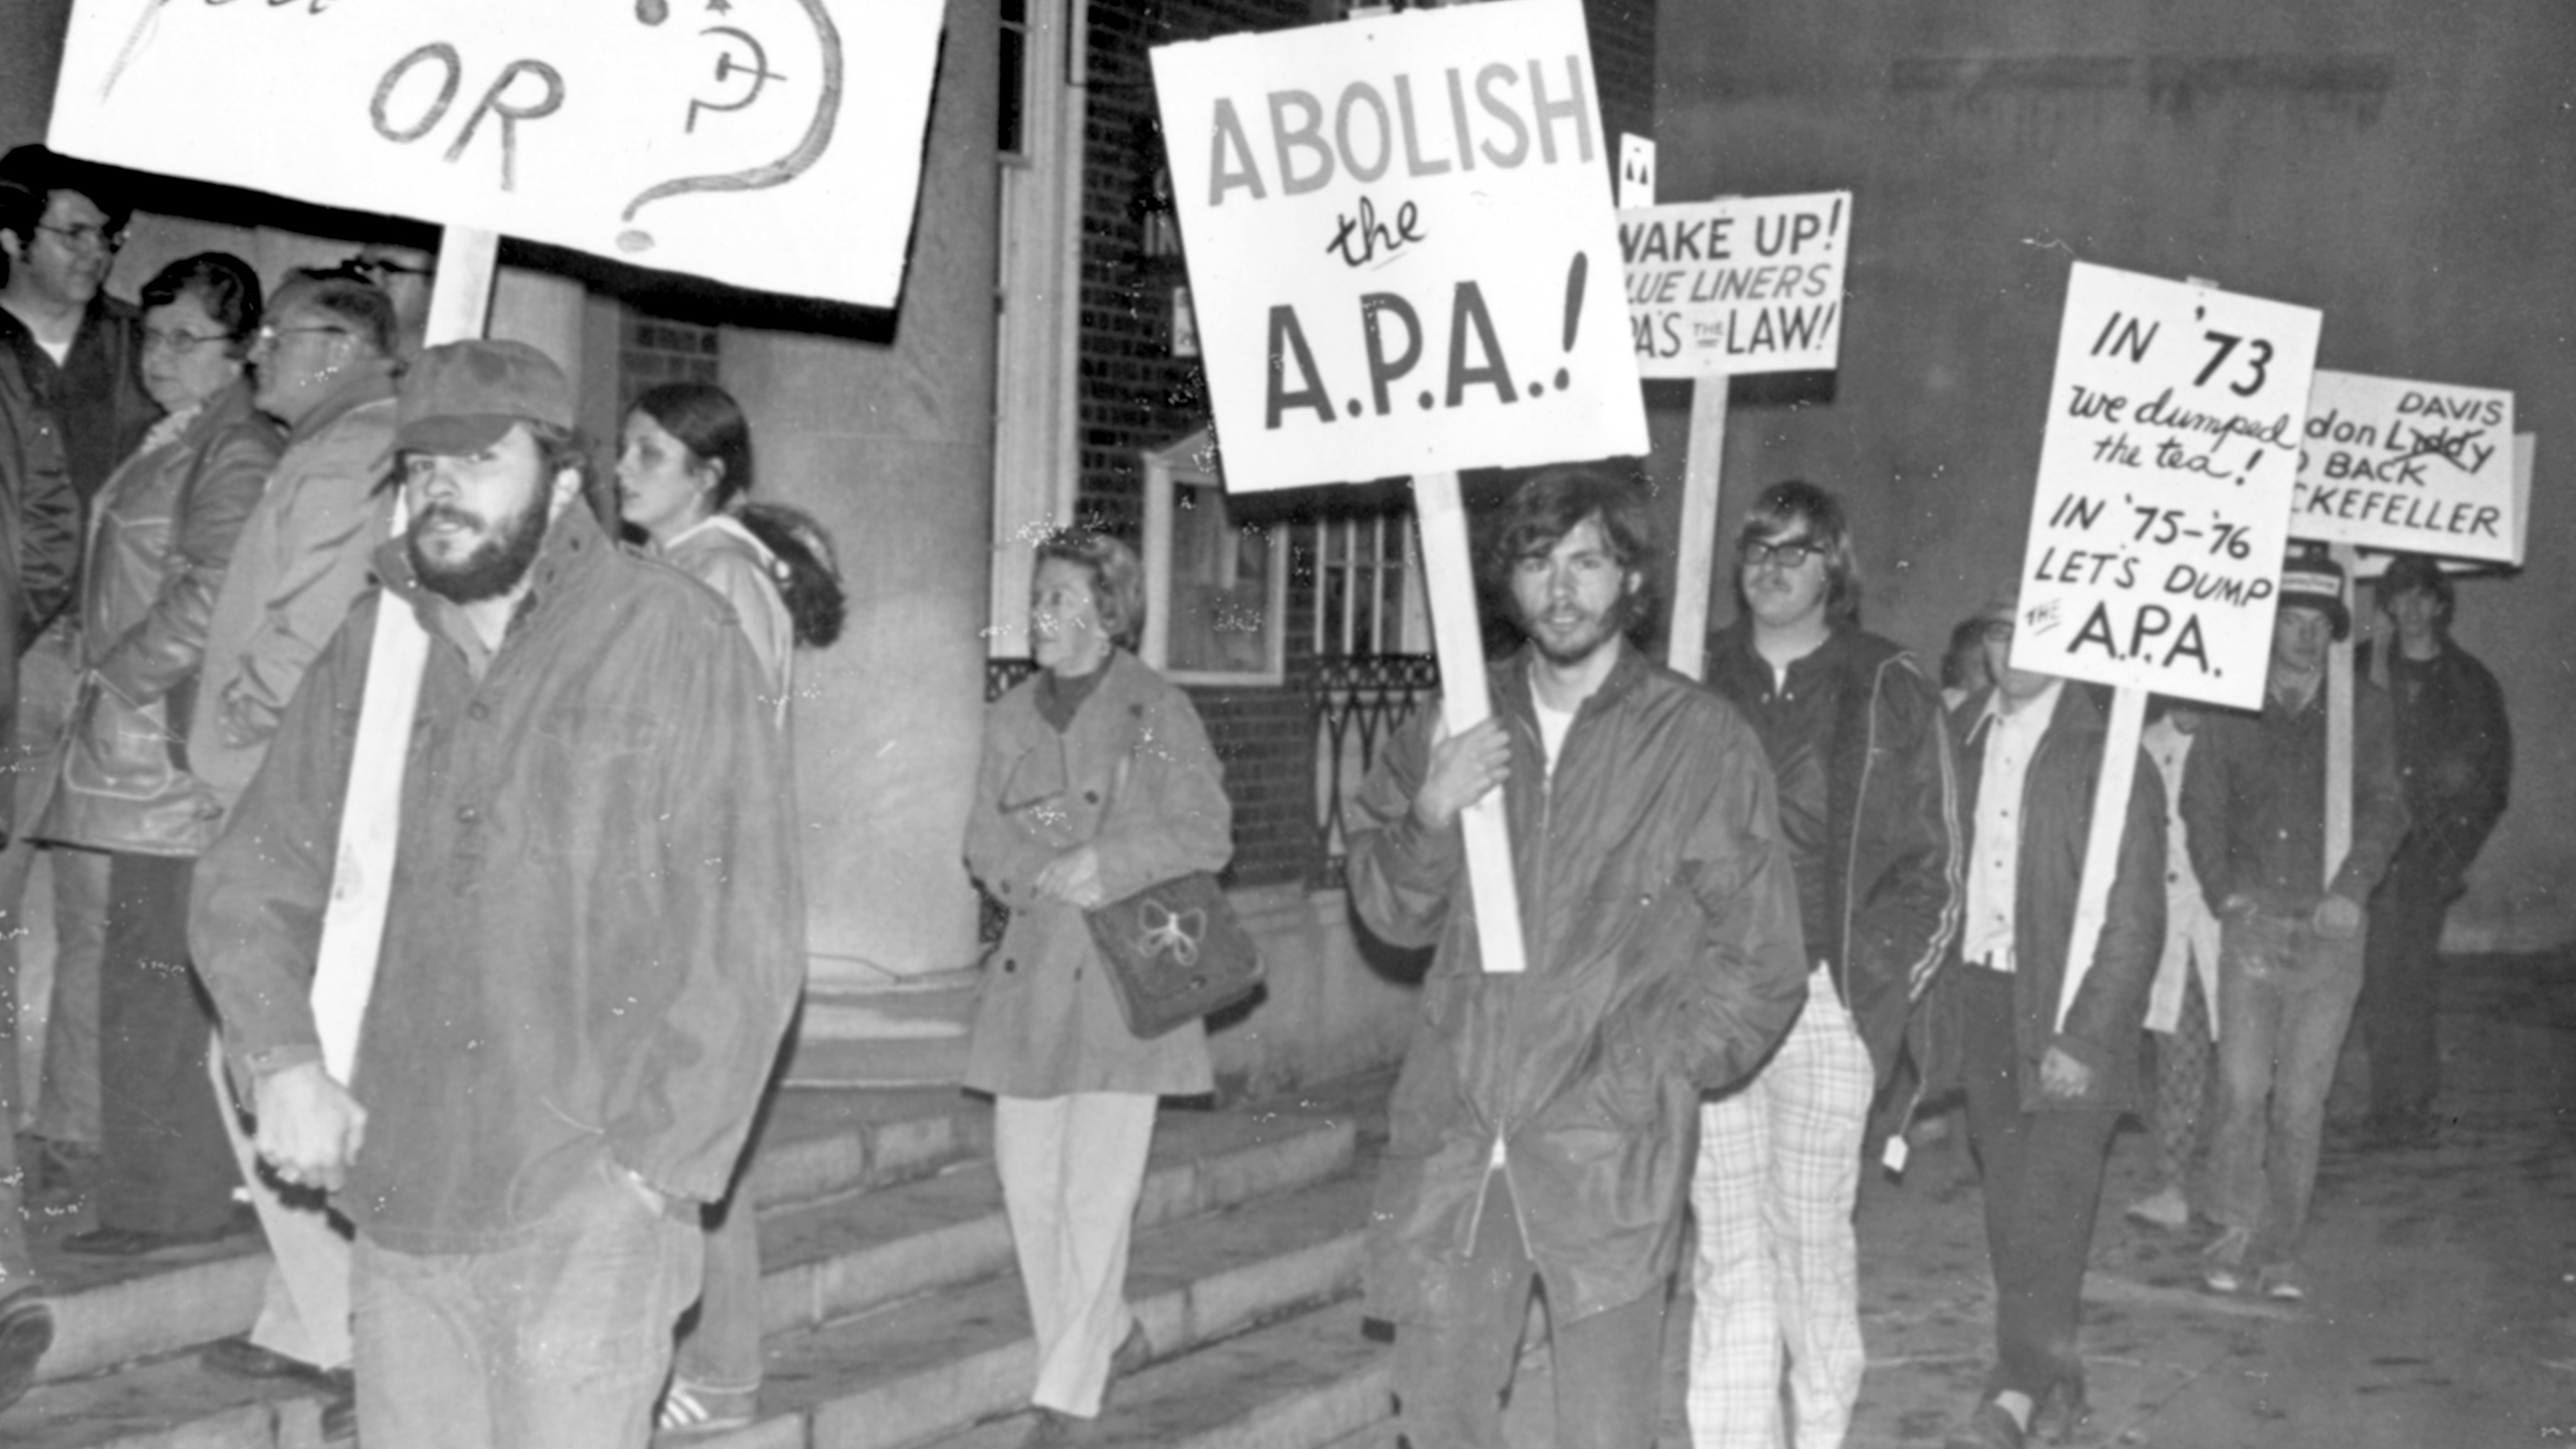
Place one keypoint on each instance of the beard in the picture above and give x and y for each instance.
(494, 565)
(1575, 639)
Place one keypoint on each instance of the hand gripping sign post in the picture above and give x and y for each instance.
(758, 151)
(2160, 517)
(2417, 467)
(1737, 285)
(1400, 237)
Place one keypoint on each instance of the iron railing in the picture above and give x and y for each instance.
(1360, 702)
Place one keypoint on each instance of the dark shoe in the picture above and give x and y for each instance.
(26, 1331)
(238, 1357)
(1051, 1431)
(2066, 1406)
(1988, 1428)
(1135, 1351)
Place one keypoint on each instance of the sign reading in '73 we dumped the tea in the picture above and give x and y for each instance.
(2161, 513)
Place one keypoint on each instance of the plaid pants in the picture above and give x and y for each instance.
(2185, 1057)
(1778, 1266)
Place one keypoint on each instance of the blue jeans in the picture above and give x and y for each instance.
(560, 1340)
(2285, 998)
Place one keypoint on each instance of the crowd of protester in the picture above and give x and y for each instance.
(1768, 920)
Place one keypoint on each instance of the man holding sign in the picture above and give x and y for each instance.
(2044, 1091)
(1543, 1123)
(2291, 936)
(594, 937)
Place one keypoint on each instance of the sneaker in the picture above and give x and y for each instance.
(2280, 1282)
(2166, 1209)
(26, 1331)
(690, 1410)
(2226, 1255)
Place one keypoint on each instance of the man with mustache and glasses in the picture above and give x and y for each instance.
(1860, 755)
(595, 933)
(1541, 1128)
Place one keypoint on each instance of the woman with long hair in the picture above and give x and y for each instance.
(684, 473)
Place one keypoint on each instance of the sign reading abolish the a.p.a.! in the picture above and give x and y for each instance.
(1746, 284)
(2417, 467)
(773, 144)
(1401, 244)
(2161, 514)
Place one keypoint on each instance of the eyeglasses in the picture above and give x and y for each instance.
(86, 236)
(1997, 631)
(156, 340)
(267, 336)
(1788, 553)
(376, 269)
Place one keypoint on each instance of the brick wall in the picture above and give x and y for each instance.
(654, 350)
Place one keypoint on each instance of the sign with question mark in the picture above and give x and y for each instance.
(772, 144)
(1401, 244)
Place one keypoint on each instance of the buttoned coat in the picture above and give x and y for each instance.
(1049, 1022)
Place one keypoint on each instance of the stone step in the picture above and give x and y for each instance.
(1308, 1381)
(827, 1260)
(817, 1145)
(942, 1364)
(824, 1261)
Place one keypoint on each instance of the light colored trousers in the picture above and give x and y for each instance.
(1072, 1168)
(1778, 1264)
(304, 1308)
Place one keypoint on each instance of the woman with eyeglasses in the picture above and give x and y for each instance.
(162, 536)
(684, 470)
(1096, 782)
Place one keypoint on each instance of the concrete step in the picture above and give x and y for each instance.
(942, 1364)
(1310, 1380)
(817, 1145)
(827, 1259)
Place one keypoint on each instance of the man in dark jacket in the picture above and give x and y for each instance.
(1861, 759)
(2291, 923)
(72, 406)
(2455, 757)
(2048, 1070)
(594, 936)
(1542, 1126)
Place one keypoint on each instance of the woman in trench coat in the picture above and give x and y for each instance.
(1096, 782)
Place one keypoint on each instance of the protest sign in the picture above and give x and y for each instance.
(761, 143)
(2417, 467)
(1401, 244)
(2160, 516)
(1746, 284)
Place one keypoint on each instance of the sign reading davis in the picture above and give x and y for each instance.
(2418, 467)
(1748, 284)
(2161, 513)
(773, 144)
(1401, 243)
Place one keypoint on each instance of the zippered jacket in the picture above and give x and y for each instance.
(1869, 804)
(1659, 922)
(597, 924)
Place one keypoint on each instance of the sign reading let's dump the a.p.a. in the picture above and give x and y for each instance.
(2160, 517)
(1402, 245)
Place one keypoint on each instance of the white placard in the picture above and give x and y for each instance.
(1401, 244)
(773, 144)
(2416, 467)
(2161, 514)
(1747, 284)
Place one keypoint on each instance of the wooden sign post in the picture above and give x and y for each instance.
(1717, 289)
(2159, 518)
(1356, 317)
